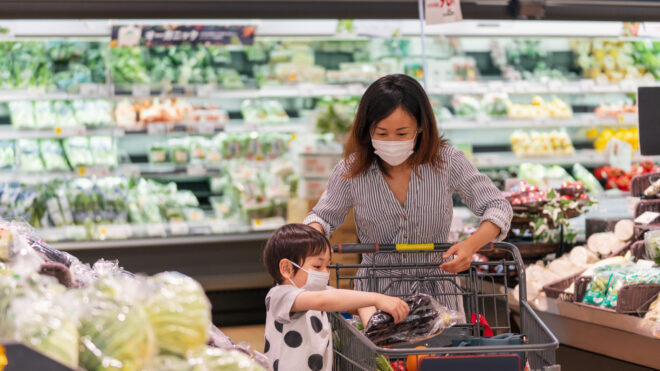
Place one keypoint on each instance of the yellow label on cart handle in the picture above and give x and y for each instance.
(413, 246)
(3, 358)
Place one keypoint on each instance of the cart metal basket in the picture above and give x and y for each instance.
(483, 290)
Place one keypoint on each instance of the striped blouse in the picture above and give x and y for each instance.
(427, 213)
(425, 216)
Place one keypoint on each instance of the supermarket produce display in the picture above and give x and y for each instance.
(104, 318)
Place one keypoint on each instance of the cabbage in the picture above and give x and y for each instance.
(215, 359)
(179, 312)
(165, 362)
(115, 332)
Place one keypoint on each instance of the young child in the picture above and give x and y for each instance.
(298, 333)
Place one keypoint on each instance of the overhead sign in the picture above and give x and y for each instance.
(443, 11)
(176, 35)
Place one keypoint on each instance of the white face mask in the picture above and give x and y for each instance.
(316, 281)
(394, 152)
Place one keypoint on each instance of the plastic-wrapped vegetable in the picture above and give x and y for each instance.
(427, 318)
(179, 312)
(167, 362)
(45, 325)
(44, 115)
(115, 330)
(597, 289)
(53, 155)
(77, 151)
(587, 178)
(27, 154)
(214, 359)
(65, 114)
(104, 151)
(7, 157)
(22, 114)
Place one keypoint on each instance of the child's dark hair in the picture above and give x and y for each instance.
(295, 242)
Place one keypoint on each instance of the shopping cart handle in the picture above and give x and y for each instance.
(364, 248)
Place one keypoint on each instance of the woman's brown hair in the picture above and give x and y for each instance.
(379, 101)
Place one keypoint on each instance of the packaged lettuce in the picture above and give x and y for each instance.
(7, 157)
(65, 114)
(179, 312)
(104, 151)
(22, 114)
(617, 280)
(77, 151)
(28, 156)
(91, 112)
(53, 155)
(44, 115)
(597, 289)
(115, 331)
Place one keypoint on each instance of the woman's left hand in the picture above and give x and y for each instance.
(462, 253)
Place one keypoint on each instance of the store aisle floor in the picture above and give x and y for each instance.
(252, 335)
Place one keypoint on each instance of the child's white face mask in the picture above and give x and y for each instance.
(316, 281)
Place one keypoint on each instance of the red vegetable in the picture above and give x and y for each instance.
(399, 365)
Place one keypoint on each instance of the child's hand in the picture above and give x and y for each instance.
(396, 307)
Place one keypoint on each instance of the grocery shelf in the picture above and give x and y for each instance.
(529, 87)
(9, 133)
(164, 241)
(232, 126)
(38, 94)
(578, 120)
(584, 157)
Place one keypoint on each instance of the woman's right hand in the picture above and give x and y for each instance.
(396, 307)
(318, 227)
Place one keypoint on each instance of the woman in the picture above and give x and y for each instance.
(399, 175)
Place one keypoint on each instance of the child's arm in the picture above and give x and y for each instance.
(366, 313)
(349, 300)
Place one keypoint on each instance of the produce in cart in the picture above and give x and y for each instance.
(427, 318)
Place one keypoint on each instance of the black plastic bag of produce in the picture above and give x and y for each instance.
(427, 318)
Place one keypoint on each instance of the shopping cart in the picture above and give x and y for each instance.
(483, 290)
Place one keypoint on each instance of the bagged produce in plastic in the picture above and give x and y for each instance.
(215, 359)
(7, 157)
(43, 323)
(77, 151)
(53, 155)
(588, 179)
(179, 312)
(168, 362)
(28, 156)
(104, 151)
(65, 114)
(22, 114)
(427, 318)
(115, 330)
(44, 115)
(597, 289)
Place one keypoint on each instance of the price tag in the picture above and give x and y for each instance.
(157, 128)
(205, 128)
(179, 228)
(205, 90)
(219, 226)
(89, 90)
(647, 217)
(36, 91)
(115, 231)
(69, 131)
(141, 90)
(129, 36)
(620, 154)
(131, 171)
(268, 223)
(196, 169)
(156, 230)
(106, 91)
(98, 171)
(632, 204)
